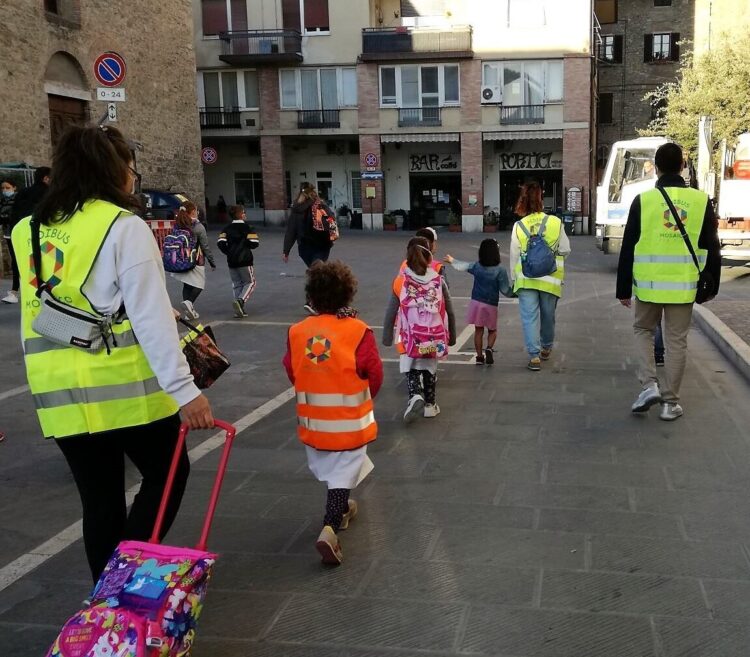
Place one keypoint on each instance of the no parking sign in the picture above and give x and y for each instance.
(109, 69)
(209, 155)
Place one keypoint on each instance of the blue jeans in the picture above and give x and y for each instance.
(538, 319)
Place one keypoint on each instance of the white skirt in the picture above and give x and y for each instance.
(195, 277)
(407, 363)
(339, 469)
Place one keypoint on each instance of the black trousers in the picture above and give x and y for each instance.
(190, 293)
(97, 462)
(14, 265)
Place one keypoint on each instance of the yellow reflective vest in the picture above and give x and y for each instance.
(663, 269)
(554, 281)
(75, 392)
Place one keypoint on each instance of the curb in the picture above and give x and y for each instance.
(728, 342)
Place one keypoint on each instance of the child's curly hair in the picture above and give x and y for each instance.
(330, 286)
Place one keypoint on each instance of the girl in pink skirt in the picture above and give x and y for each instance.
(490, 279)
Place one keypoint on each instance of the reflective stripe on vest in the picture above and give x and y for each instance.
(75, 392)
(334, 405)
(552, 283)
(40, 345)
(663, 269)
(337, 426)
(95, 395)
(328, 400)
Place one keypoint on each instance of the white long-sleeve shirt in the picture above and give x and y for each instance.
(563, 248)
(129, 270)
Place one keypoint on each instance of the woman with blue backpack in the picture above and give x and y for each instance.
(538, 248)
(420, 315)
(185, 251)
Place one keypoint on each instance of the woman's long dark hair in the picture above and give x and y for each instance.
(89, 162)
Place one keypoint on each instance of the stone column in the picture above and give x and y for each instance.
(372, 209)
(472, 182)
(274, 183)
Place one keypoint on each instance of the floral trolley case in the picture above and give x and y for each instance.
(149, 597)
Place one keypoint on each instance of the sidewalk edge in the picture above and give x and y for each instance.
(728, 342)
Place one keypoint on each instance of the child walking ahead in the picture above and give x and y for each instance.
(421, 311)
(237, 241)
(333, 362)
(490, 279)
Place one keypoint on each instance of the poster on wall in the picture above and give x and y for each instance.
(533, 160)
(434, 163)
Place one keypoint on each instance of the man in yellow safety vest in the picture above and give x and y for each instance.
(657, 267)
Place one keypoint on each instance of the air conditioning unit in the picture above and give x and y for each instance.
(492, 95)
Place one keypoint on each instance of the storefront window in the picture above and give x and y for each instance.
(248, 189)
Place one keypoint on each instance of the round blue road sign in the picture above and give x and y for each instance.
(109, 69)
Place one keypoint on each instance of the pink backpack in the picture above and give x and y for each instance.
(149, 597)
(422, 322)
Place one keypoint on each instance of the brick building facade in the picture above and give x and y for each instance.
(438, 108)
(48, 49)
(639, 51)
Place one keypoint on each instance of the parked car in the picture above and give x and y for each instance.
(160, 204)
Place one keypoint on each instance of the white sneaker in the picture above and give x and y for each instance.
(11, 297)
(431, 410)
(413, 408)
(670, 411)
(649, 396)
(189, 310)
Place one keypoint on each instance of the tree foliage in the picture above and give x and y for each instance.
(715, 84)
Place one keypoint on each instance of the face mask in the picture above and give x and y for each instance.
(8, 193)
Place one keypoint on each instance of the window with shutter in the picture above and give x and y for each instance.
(648, 47)
(316, 16)
(214, 13)
(290, 15)
(674, 50)
(606, 11)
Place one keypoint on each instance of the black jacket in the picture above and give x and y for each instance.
(709, 240)
(299, 229)
(26, 200)
(237, 241)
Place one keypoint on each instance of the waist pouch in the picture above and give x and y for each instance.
(72, 327)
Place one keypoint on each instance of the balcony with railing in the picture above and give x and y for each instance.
(326, 118)
(521, 114)
(260, 46)
(220, 118)
(419, 117)
(384, 43)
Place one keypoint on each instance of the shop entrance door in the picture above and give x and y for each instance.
(510, 186)
(433, 196)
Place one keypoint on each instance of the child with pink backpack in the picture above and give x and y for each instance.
(420, 315)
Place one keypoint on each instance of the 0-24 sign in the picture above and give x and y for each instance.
(110, 95)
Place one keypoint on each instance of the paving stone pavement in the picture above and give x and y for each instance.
(535, 517)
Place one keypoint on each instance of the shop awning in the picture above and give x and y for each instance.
(420, 137)
(523, 134)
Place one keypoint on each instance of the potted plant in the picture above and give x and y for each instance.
(454, 222)
(389, 221)
(490, 221)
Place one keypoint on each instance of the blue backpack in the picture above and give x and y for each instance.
(539, 259)
(179, 253)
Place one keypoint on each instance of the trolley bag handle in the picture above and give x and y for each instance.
(214, 499)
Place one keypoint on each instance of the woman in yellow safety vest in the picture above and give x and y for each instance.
(99, 257)
(537, 297)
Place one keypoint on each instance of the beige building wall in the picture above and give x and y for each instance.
(156, 41)
(715, 20)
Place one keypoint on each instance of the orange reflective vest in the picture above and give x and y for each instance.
(334, 406)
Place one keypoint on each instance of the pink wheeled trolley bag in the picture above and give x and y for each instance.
(149, 597)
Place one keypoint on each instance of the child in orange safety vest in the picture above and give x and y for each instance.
(332, 359)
